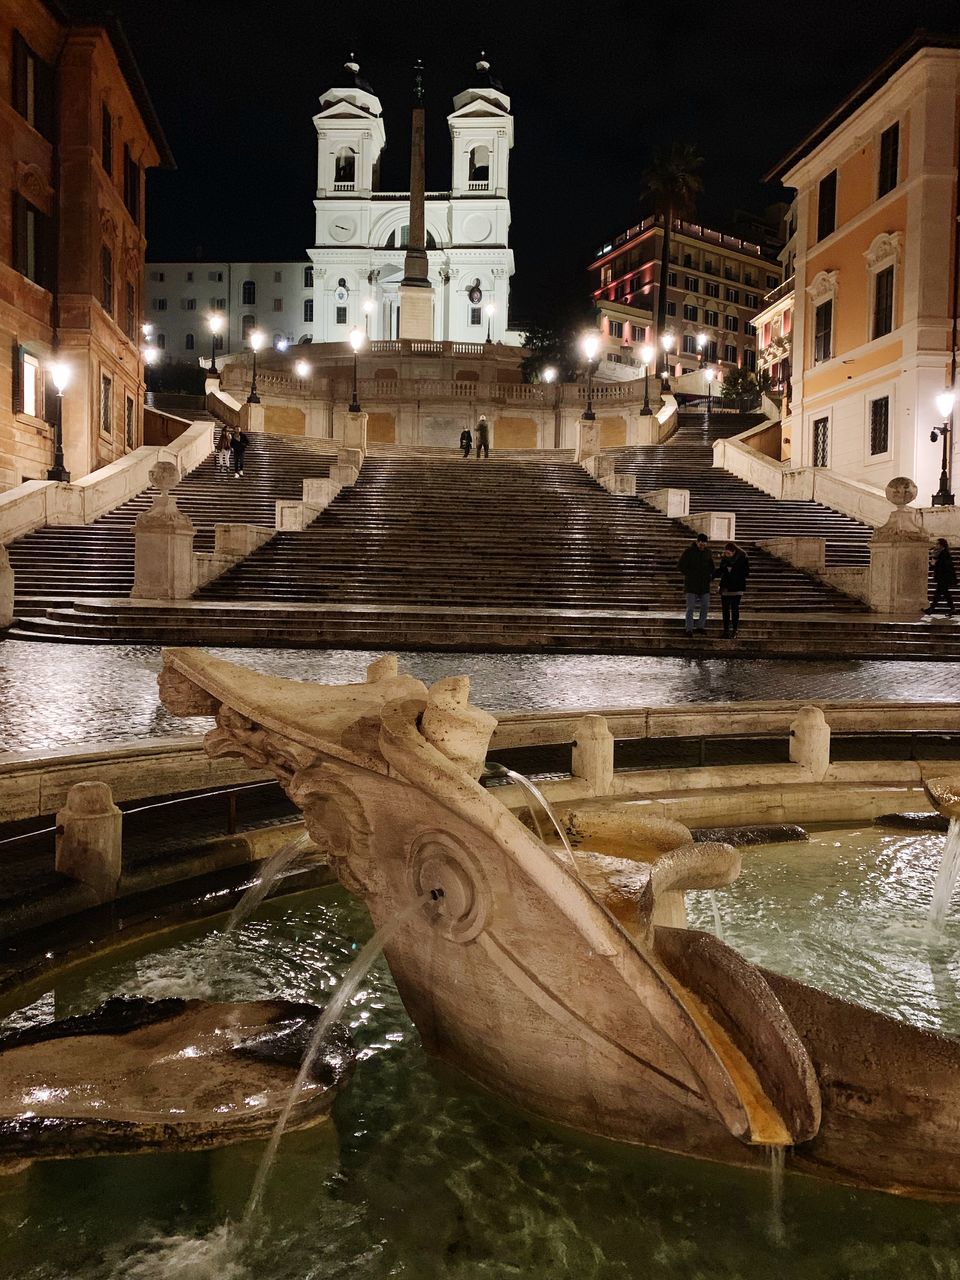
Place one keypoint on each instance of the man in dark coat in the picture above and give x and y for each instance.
(483, 437)
(696, 565)
(733, 572)
(466, 442)
(944, 579)
(238, 446)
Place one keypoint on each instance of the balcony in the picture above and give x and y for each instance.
(781, 291)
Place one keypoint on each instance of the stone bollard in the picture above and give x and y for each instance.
(355, 431)
(89, 835)
(899, 556)
(163, 544)
(810, 741)
(251, 417)
(588, 439)
(593, 754)
(6, 590)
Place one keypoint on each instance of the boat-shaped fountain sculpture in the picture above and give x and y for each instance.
(569, 983)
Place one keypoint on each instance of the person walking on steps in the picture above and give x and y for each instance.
(733, 572)
(223, 450)
(944, 579)
(238, 445)
(466, 442)
(483, 437)
(696, 565)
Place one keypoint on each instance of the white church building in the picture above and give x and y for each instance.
(352, 275)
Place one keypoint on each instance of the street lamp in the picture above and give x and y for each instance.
(356, 341)
(283, 344)
(646, 355)
(945, 402)
(257, 339)
(490, 309)
(60, 374)
(667, 343)
(303, 368)
(215, 324)
(590, 346)
(710, 375)
(368, 307)
(701, 343)
(147, 331)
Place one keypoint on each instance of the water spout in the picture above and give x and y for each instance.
(777, 1229)
(715, 907)
(495, 770)
(947, 877)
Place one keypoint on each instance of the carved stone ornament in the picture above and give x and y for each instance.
(33, 186)
(823, 286)
(884, 248)
(108, 224)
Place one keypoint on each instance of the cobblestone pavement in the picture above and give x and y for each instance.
(54, 695)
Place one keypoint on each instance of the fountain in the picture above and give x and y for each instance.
(945, 794)
(574, 989)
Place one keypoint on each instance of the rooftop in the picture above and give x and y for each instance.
(693, 230)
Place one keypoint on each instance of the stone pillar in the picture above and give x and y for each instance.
(88, 846)
(588, 439)
(899, 556)
(251, 417)
(593, 754)
(163, 556)
(810, 741)
(355, 431)
(6, 590)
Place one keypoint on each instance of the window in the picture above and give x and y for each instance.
(28, 389)
(709, 266)
(691, 312)
(130, 312)
(157, 276)
(691, 283)
(476, 315)
(821, 441)
(215, 276)
(750, 329)
(733, 295)
(689, 347)
(129, 421)
(248, 294)
(823, 331)
(345, 168)
(827, 205)
(31, 243)
(106, 397)
(189, 277)
(218, 304)
(106, 280)
(688, 259)
(730, 354)
(749, 277)
(711, 289)
(106, 139)
(161, 341)
(308, 277)
(341, 317)
(131, 187)
(711, 317)
(616, 328)
(159, 304)
(751, 300)
(889, 160)
(750, 360)
(772, 282)
(882, 302)
(731, 273)
(32, 87)
(277, 277)
(308, 309)
(621, 291)
(671, 279)
(278, 304)
(710, 352)
(879, 426)
(731, 324)
(188, 304)
(246, 324)
(218, 342)
(614, 357)
(671, 308)
(189, 342)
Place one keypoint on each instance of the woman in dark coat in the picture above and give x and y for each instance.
(733, 572)
(238, 445)
(944, 579)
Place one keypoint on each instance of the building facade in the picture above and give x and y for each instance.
(77, 133)
(351, 277)
(872, 307)
(714, 286)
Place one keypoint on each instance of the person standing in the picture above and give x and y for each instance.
(238, 445)
(696, 565)
(223, 450)
(483, 437)
(944, 579)
(733, 572)
(466, 442)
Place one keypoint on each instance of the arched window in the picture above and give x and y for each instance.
(246, 324)
(345, 168)
(479, 169)
(393, 242)
(305, 340)
(188, 342)
(248, 295)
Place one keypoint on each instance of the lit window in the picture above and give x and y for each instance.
(30, 385)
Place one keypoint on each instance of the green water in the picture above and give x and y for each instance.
(421, 1175)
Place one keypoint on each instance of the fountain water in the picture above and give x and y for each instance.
(269, 872)
(777, 1230)
(947, 877)
(534, 793)
(715, 908)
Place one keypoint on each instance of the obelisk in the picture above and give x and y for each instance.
(416, 292)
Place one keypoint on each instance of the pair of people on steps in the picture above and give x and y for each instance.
(698, 569)
(483, 438)
(231, 447)
(944, 579)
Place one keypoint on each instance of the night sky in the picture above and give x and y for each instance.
(595, 90)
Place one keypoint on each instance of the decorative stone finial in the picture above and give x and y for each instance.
(901, 491)
(483, 64)
(164, 475)
(903, 524)
(352, 65)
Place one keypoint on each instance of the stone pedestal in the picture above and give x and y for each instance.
(899, 556)
(355, 431)
(251, 417)
(719, 526)
(593, 754)
(810, 741)
(674, 503)
(6, 589)
(416, 312)
(163, 556)
(588, 439)
(88, 847)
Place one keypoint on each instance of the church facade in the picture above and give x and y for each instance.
(351, 277)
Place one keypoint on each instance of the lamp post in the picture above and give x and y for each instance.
(356, 342)
(303, 369)
(368, 307)
(710, 375)
(701, 343)
(590, 347)
(490, 309)
(60, 373)
(283, 344)
(646, 355)
(945, 402)
(257, 339)
(667, 344)
(215, 325)
(147, 331)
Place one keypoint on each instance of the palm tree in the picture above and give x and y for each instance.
(671, 186)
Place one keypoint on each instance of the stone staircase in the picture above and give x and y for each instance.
(62, 563)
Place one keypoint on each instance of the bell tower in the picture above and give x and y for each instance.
(481, 133)
(350, 137)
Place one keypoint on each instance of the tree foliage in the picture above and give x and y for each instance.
(737, 382)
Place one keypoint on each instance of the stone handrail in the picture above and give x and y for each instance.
(223, 406)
